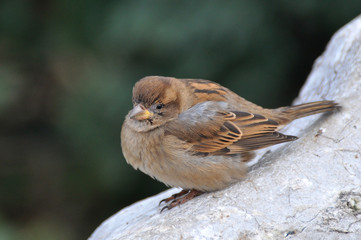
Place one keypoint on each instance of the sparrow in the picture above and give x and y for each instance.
(198, 135)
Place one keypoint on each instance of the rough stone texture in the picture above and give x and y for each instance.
(307, 189)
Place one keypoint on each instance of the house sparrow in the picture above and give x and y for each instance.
(198, 135)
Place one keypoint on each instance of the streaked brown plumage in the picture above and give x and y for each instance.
(197, 135)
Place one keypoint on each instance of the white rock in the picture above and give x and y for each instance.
(307, 189)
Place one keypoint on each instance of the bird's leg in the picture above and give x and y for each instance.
(182, 197)
(174, 196)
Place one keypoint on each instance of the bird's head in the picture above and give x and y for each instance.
(156, 101)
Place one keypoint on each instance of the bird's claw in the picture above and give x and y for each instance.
(179, 198)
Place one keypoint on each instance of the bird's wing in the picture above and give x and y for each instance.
(207, 130)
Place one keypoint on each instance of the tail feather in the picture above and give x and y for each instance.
(306, 109)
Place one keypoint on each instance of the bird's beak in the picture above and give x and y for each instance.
(139, 112)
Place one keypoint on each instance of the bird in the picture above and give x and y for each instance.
(198, 135)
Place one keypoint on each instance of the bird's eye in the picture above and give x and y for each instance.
(159, 106)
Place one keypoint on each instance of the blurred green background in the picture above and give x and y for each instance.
(66, 74)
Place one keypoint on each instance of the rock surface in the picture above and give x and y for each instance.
(307, 189)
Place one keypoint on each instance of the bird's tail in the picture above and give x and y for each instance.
(306, 109)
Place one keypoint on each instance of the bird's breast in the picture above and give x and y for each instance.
(168, 159)
(141, 149)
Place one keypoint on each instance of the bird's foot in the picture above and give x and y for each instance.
(180, 198)
(174, 196)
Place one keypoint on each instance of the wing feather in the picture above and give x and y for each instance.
(209, 130)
